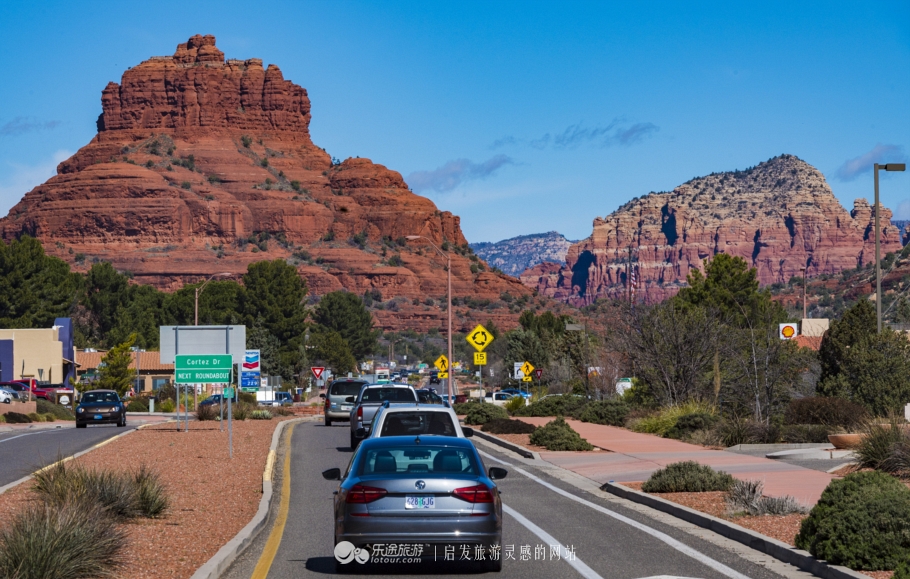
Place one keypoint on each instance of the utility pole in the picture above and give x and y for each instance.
(878, 236)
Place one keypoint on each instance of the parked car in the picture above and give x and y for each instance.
(517, 392)
(273, 398)
(498, 398)
(431, 491)
(368, 401)
(99, 407)
(336, 405)
(8, 396)
(418, 420)
(216, 399)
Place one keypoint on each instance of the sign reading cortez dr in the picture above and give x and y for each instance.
(203, 369)
(479, 337)
(788, 331)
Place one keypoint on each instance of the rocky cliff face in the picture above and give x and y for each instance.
(780, 216)
(517, 254)
(202, 166)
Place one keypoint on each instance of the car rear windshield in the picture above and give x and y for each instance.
(346, 388)
(90, 397)
(390, 394)
(417, 422)
(419, 460)
(427, 397)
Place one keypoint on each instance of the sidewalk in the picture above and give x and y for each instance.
(634, 456)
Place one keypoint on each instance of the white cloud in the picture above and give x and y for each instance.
(20, 179)
(853, 168)
(903, 210)
(456, 172)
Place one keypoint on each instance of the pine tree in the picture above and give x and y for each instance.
(116, 372)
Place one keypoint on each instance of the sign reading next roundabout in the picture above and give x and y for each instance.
(203, 368)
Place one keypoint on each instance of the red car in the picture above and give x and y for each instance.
(45, 391)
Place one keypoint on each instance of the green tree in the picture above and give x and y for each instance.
(34, 288)
(856, 325)
(526, 346)
(344, 313)
(334, 351)
(259, 338)
(106, 293)
(219, 304)
(116, 372)
(274, 291)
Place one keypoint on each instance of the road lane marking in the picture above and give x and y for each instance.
(58, 429)
(679, 546)
(575, 562)
(274, 541)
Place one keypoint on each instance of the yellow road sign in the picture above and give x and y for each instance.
(526, 379)
(442, 363)
(443, 375)
(526, 369)
(480, 358)
(479, 337)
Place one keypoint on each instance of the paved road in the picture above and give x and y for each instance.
(24, 451)
(610, 537)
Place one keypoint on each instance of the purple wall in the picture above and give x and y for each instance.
(6, 361)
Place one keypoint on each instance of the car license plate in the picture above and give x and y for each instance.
(346, 407)
(419, 502)
(98, 417)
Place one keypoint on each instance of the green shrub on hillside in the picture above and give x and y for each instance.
(137, 406)
(463, 408)
(830, 411)
(483, 413)
(58, 411)
(508, 426)
(558, 435)
(609, 412)
(876, 449)
(801, 433)
(861, 521)
(902, 571)
(689, 423)
(17, 418)
(558, 405)
(514, 404)
(687, 477)
(664, 421)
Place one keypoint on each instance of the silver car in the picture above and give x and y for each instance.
(370, 398)
(8, 396)
(337, 406)
(418, 419)
(421, 495)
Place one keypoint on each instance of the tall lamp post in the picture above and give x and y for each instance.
(448, 307)
(878, 235)
(198, 291)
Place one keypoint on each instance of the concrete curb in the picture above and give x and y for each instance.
(218, 564)
(507, 445)
(772, 547)
(15, 483)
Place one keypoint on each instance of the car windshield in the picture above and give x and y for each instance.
(390, 394)
(91, 397)
(418, 460)
(417, 422)
(346, 388)
(427, 397)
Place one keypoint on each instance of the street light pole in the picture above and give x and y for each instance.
(449, 380)
(878, 234)
(805, 274)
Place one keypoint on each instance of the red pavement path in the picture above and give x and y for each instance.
(633, 457)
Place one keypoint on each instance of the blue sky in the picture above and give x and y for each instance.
(520, 117)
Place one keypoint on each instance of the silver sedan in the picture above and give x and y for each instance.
(425, 497)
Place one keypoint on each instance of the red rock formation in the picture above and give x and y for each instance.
(202, 166)
(780, 216)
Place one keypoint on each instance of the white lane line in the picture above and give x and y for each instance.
(569, 558)
(681, 547)
(30, 433)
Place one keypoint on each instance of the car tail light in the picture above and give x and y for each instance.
(475, 494)
(328, 403)
(360, 413)
(364, 494)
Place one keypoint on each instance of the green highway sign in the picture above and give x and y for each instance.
(203, 368)
(228, 393)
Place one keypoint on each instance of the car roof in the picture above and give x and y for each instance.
(94, 391)
(389, 385)
(410, 406)
(411, 440)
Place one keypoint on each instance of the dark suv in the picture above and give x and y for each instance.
(99, 407)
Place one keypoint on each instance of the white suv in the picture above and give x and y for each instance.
(417, 419)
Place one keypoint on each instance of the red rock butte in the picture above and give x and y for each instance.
(203, 165)
(780, 216)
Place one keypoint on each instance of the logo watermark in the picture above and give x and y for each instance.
(346, 552)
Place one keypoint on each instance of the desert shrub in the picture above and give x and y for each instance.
(610, 412)
(34, 417)
(247, 397)
(689, 423)
(662, 422)
(558, 435)
(861, 521)
(463, 407)
(72, 540)
(136, 406)
(902, 571)
(58, 411)
(167, 405)
(2, 418)
(166, 391)
(17, 418)
(687, 477)
(561, 405)
(260, 414)
(508, 426)
(282, 411)
(151, 496)
(802, 433)
(207, 412)
(875, 448)
(483, 413)
(241, 410)
(827, 410)
(46, 417)
(745, 496)
(514, 404)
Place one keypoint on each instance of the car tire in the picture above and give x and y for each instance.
(80, 425)
(122, 422)
(354, 442)
(328, 421)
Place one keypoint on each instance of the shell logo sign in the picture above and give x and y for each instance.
(788, 331)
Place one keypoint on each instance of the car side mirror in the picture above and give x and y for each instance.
(495, 473)
(322, 395)
(349, 399)
(335, 474)
(360, 432)
(468, 432)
